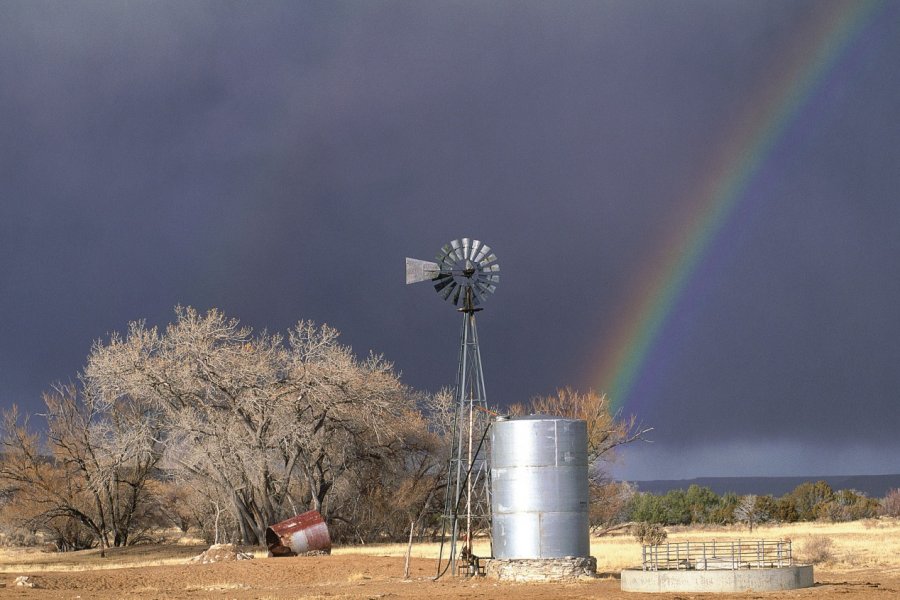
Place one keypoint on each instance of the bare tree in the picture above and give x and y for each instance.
(99, 460)
(380, 499)
(260, 426)
(270, 423)
(890, 504)
(606, 431)
(41, 490)
(751, 511)
(610, 503)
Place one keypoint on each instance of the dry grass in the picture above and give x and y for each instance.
(873, 543)
(855, 545)
(613, 552)
(31, 560)
(481, 547)
(816, 550)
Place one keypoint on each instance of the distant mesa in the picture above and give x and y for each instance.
(874, 486)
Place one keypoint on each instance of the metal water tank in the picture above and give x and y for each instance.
(539, 483)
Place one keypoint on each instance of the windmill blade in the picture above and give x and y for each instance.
(489, 278)
(445, 251)
(476, 245)
(444, 281)
(476, 295)
(482, 253)
(445, 293)
(486, 288)
(457, 250)
(448, 260)
(420, 270)
(488, 260)
(467, 248)
(447, 255)
(459, 289)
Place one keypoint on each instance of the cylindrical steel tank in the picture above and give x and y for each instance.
(539, 487)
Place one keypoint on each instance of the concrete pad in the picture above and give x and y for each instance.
(740, 580)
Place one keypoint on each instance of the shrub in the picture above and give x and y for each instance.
(649, 534)
(786, 510)
(817, 549)
(890, 505)
(808, 497)
(646, 507)
(871, 523)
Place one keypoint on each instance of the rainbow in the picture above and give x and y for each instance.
(664, 280)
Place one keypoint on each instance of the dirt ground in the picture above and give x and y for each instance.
(349, 576)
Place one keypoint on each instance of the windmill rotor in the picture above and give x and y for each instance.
(466, 272)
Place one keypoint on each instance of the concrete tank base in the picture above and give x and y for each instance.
(740, 580)
(569, 568)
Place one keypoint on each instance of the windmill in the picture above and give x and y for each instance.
(466, 273)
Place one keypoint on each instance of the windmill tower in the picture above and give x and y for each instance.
(466, 273)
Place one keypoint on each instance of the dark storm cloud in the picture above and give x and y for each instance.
(278, 160)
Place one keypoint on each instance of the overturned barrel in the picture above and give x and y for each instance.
(304, 534)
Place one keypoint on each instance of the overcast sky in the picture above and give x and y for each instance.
(279, 161)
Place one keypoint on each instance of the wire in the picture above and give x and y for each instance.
(441, 573)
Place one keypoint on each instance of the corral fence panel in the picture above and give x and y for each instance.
(720, 555)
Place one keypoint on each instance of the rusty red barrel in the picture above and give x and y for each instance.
(299, 535)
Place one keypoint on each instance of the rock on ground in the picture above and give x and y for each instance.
(24, 581)
(220, 553)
